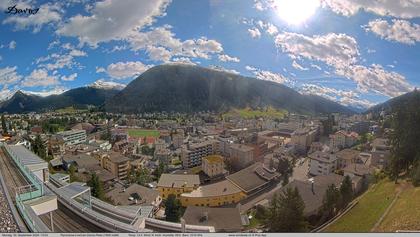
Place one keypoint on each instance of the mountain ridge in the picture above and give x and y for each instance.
(190, 88)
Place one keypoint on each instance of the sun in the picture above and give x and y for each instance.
(296, 12)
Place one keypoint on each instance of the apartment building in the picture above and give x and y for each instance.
(322, 163)
(213, 166)
(240, 156)
(117, 164)
(73, 137)
(303, 137)
(192, 154)
(343, 139)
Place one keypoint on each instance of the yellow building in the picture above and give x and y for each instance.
(213, 195)
(177, 184)
(213, 165)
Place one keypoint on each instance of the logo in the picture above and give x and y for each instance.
(13, 10)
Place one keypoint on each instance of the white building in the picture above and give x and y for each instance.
(322, 163)
(73, 137)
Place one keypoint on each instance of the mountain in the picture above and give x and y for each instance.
(398, 101)
(81, 97)
(189, 88)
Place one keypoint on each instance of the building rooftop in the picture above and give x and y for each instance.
(223, 219)
(222, 188)
(214, 159)
(146, 196)
(252, 177)
(27, 158)
(116, 157)
(241, 147)
(82, 160)
(348, 154)
(178, 180)
(323, 156)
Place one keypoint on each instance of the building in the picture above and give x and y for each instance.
(213, 195)
(303, 137)
(135, 195)
(322, 163)
(192, 154)
(177, 184)
(213, 166)
(254, 178)
(117, 164)
(222, 219)
(240, 156)
(177, 140)
(347, 157)
(73, 137)
(312, 191)
(343, 139)
(380, 153)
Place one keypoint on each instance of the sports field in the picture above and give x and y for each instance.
(143, 133)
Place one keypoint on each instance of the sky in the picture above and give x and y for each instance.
(355, 52)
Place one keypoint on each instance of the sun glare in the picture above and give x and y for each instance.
(296, 12)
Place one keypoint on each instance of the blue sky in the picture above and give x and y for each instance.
(355, 52)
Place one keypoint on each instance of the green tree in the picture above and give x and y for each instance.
(39, 148)
(97, 189)
(72, 173)
(285, 213)
(285, 168)
(159, 170)
(172, 208)
(415, 175)
(330, 203)
(346, 192)
(405, 124)
(3, 124)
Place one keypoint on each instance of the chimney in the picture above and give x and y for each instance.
(312, 186)
(182, 225)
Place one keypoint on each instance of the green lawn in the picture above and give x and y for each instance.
(405, 214)
(143, 133)
(368, 211)
(249, 113)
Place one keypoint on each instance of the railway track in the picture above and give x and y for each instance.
(64, 219)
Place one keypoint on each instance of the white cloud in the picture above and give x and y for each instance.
(5, 94)
(123, 70)
(227, 58)
(316, 66)
(54, 91)
(183, 60)
(254, 33)
(341, 52)
(336, 50)
(65, 60)
(298, 66)
(220, 68)
(113, 20)
(103, 84)
(268, 27)
(267, 75)
(161, 45)
(100, 69)
(9, 75)
(71, 77)
(375, 78)
(344, 97)
(39, 77)
(12, 44)
(47, 14)
(398, 31)
(395, 8)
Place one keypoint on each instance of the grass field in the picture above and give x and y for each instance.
(368, 211)
(405, 214)
(143, 133)
(70, 109)
(249, 113)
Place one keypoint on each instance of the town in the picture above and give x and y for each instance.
(207, 169)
